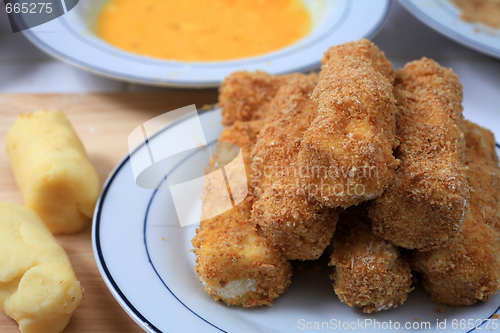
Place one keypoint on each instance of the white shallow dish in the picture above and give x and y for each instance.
(144, 257)
(444, 17)
(69, 38)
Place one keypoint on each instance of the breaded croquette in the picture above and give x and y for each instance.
(282, 133)
(246, 95)
(346, 154)
(300, 227)
(235, 262)
(362, 49)
(369, 272)
(425, 183)
(468, 268)
(428, 200)
(244, 134)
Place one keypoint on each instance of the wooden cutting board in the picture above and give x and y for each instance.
(103, 122)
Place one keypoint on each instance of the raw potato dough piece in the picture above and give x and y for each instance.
(52, 170)
(38, 287)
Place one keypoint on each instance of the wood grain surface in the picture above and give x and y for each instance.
(103, 122)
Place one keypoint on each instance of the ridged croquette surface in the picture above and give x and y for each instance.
(428, 200)
(346, 153)
(468, 268)
(234, 260)
(302, 228)
(246, 96)
(369, 271)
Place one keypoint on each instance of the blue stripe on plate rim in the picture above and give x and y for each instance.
(96, 241)
(448, 32)
(100, 258)
(172, 82)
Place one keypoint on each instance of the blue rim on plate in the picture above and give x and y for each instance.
(97, 245)
(69, 39)
(119, 295)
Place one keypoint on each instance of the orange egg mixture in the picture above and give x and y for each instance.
(201, 30)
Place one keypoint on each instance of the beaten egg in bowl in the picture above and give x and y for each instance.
(200, 30)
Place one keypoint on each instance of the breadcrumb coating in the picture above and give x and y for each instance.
(244, 134)
(358, 133)
(347, 152)
(365, 49)
(283, 129)
(235, 262)
(428, 200)
(369, 271)
(468, 268)
(300, 227)
(246, 96)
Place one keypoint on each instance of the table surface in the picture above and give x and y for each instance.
(103, 122)
(31, 80)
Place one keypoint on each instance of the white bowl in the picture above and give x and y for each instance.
(70, 38)
(444, 17)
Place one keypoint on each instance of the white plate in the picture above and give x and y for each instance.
(69, 38)
(444, 17)
(143, 256)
